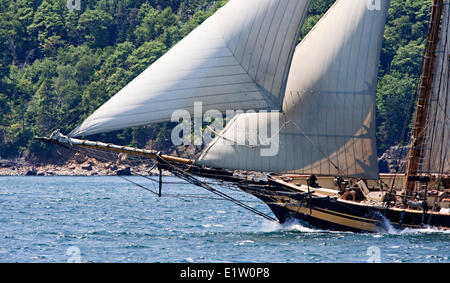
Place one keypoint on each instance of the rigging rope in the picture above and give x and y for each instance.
(245, 145)
(340, 172)
(189, 178)
(194, 196)
(406, 123)
(182, 174)
(438, 100)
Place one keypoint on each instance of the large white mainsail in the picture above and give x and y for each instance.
(239, 58)
(436, 152)
(328, 117)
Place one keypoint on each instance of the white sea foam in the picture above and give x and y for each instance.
(245, 242)
(390, 229)
(424, 230)
(387, 228)
(291, 225)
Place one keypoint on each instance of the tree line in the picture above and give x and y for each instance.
(58, 65)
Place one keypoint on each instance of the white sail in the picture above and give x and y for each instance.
(436, 152)
(239, 58)
(328, 118)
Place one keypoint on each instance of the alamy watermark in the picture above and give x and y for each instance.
(73, 5)
(74, 254)
(374, 254)
(249, 129)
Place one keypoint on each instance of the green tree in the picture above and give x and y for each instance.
(153, 23)
(4, 114)
(141, 58)
(96, 28)
(393, 101)
(61, 62)
(48, 26)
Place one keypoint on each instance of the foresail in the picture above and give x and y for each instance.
(328, 119)
(436, 155)
(238, 58)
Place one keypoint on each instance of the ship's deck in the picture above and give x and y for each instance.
(376, 191)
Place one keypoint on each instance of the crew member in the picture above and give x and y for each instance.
(312, 181)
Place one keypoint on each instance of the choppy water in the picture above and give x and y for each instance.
(106, 219)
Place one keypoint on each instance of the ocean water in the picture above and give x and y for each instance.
(107, 219)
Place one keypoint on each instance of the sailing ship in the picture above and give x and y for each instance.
(321, 96)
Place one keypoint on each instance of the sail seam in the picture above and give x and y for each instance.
(287, 68)
(199, 78)
(285, 77)
(438, 105)
(372, 41)
(265, 44)
(246, 92)
(189, 107)
(263, 91)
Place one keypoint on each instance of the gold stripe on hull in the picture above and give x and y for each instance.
(335, 219)
(343, 219)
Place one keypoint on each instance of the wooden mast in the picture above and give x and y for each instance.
(426, 81)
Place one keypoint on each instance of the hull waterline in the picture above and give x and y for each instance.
(331, 213)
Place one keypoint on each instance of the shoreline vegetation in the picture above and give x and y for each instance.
(58, 65)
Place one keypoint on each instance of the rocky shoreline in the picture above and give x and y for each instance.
(393, 160)
(76, 166)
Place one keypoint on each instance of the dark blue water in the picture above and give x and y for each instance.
(106, 219)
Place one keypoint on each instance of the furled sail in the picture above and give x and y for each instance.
(238, 58)
(328, 122)
(436, 155)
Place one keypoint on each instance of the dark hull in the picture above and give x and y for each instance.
(288, 202)
(334, 214)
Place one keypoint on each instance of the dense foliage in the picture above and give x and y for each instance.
(58, 65)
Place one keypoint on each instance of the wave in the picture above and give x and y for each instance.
(424, 230)
(388, 228)
(293, 225)
(296, 225)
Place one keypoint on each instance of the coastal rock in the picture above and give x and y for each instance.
(79, 158)
(31, 172)
(90, 167)
(124, 172)
(111, 166)
(87, 167)
(383, 166)
(121, 158)
(394, 160)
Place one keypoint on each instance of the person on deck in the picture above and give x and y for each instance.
(345, 190)
(312, 181)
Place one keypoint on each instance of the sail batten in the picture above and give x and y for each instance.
(234, 51)
(328, 113)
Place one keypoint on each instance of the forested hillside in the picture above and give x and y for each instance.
(58, 65)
